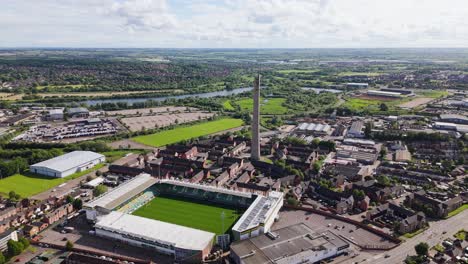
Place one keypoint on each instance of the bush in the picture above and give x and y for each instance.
(24, 242)
(99, 190)
(69, 246)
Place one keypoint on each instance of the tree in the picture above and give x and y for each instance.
(78, 204)
(292, 201)
(69, 245)
(359, 194)
(14, 248)
(422, 249)
(316, 167)
(12, 195)
(99, 190)
(69, 199)
(25, 242)
(2, 258)
(383, 107)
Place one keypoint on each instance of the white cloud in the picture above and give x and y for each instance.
(235, 23)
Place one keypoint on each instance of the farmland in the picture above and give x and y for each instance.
(188, 132)
(189, 214)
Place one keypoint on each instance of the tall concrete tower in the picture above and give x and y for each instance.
(255, 148)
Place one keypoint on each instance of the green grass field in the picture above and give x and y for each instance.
(228, 106)
(187, 132)
(297, 71)
(433, 93)
(190, 214)
(373, 105)
(28, 185)
(270, 106)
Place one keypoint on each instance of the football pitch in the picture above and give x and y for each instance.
(177, 134)
(195, 215)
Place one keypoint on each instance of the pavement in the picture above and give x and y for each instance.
(433, 236)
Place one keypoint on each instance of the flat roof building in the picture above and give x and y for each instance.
(357, 85)
(67, 164)
(187, 245)
(78, 112)
(384, 93)
(290, 245)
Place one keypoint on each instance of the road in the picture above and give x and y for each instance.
(433, 236)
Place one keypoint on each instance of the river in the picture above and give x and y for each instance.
(162, 98)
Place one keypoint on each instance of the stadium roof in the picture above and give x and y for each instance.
(208, 188)
(154, 230)
(69, 160)
(123, 193)
(258, 211)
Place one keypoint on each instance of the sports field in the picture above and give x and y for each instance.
(190, 214)
(270, 106)
(30, 184)
(187, 132)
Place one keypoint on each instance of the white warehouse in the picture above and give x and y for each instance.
(68, 164)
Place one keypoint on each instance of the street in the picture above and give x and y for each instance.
(433, 235)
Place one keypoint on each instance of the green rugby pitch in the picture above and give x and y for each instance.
(195, 215)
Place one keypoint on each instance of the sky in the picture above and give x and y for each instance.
(233, 23)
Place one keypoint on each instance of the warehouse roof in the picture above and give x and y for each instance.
(77, 110)
(154, 230)
(286, 242)
(124, 192)
(69, 160)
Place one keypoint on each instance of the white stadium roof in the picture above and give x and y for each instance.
(154, 230)
(122, 193)
(69, 160)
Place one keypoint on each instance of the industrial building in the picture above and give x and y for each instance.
(453, 118)
(259, 217)
(357, 85)
(290, 245)
(54, 114)
(78, 112)
(314, 129)
(384, 93)
(67, 164)
(187, 245)
(356, 130)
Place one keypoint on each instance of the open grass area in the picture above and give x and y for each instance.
(228, 106)
(29, 184)
(188, 132)
(373, 105)
(189, 214)
(433, 93)
(415, 233)
(297, 71)
(349, 73)
(458, 210)
(270, 106)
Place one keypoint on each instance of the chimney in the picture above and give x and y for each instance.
(255, 148)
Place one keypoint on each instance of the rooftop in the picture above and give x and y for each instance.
(153, 230)
(122, 193)
(70, 160)
(285, 242)
(258, 211)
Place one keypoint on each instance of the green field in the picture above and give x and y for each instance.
(228, 106)
(270, 106)
(185, 213)
(433, 93)
(188, 132)
(297, 71)
(28, 184)
(349, 73)
(373, 105)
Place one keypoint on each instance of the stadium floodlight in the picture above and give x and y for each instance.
(223, 215)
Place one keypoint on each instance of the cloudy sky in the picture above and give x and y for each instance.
(234, 23)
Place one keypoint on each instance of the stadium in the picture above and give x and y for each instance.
(179, 218)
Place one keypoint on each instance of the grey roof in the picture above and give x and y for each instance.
(69, 160)
(77, 110)
(290, 241)
(55, 111)
(154, 230)
(453, 116)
